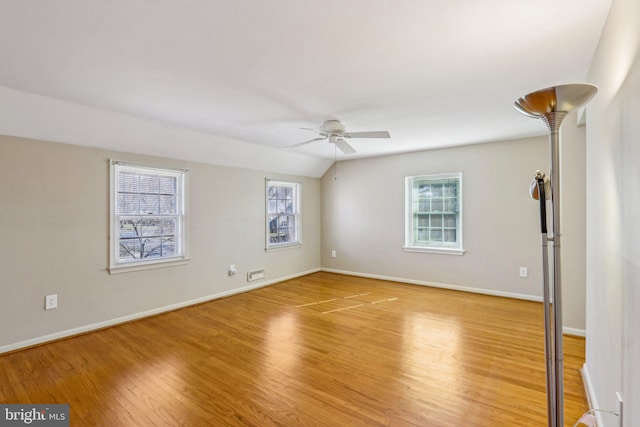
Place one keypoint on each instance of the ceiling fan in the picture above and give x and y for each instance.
(334, 132)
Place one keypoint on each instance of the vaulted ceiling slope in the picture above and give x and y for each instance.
(232, 82)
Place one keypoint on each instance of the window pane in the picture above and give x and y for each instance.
(128, 204)
(127, 182)
(149, 204)
(291, 220)
(291, 233)
(129, 250)
(449, 220)
(169, 246)
(169, 226)
(143, 200)
(282, 206)
(168, 205)
(168, 185)
(272, 193)
(273, 223)
(424, 190)
(149, 183)
(450, 190)
(434, 208)
(145, 194)
(449, 236)
(279, 229)
(129, 228)
(151, 247)
(150, 227)
(450, 205)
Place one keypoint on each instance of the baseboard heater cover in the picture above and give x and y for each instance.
(256, 275)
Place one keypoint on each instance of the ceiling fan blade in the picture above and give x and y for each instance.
(375, 134)
(344, 146)
(304, 143)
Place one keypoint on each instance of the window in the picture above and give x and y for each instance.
(434, 211)
(147, 215)
(283, 214)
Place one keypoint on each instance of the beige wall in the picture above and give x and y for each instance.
(613, 212)
(573, 217)
(363, 219)
(54, 226)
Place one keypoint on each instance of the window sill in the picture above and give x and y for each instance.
(432, 250)
(126, 268)
(283, 247)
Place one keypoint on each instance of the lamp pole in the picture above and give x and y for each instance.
(552, 105)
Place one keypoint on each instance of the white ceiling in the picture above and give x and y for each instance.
(226, 73)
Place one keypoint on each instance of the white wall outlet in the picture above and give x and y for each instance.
(51, 302)
(333, 253)
(524, 272)
(232, 270)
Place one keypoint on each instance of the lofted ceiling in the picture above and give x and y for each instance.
(233, 81)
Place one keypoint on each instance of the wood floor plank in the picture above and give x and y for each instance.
(319, 350)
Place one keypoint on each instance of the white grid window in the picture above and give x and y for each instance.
(283, 214)
(434, 211)
(148, 215)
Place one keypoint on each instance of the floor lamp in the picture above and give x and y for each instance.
(552, 105)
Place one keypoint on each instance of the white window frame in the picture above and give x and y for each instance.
(116, 265)
(412, 243)
(296, 187)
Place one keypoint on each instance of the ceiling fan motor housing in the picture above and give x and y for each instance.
(332, 127)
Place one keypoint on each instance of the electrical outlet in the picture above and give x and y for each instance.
(333, 253)
(524, 272)
(51, 302)
(620, 408)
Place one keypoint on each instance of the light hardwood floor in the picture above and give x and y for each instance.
(319, 350)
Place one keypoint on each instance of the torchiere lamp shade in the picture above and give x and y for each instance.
(555, 99)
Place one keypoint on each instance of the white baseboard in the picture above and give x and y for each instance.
(573, 331)
(439, 285)
(590, 393)
(112, 322)
(147, 313)
(527, 297)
